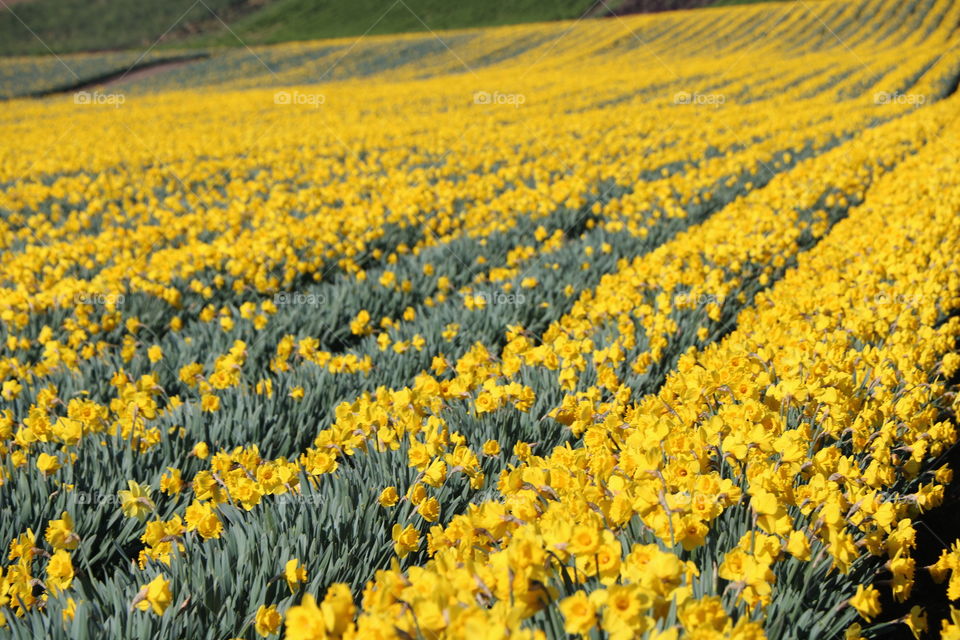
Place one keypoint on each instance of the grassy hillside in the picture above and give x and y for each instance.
(38, 26)
(284, 20)
(91, 25)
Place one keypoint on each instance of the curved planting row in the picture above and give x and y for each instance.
(762, 490)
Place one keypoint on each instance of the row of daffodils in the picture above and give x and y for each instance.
(773, 464)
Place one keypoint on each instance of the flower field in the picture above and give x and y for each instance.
(636, 328)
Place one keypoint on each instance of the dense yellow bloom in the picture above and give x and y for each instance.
(47, 464)
(210, 402)
(867, 602)
(950, 628)
(155, 596)
(388, 497)
(405, 539)
(579, 614)
(201, 450)
(267, 620)
(294, 573)
(135, 501)
(60, 533)
(916, 621)
(60, 572)
(202, 518)
(331, 619)
(171, 482)
(69, 612)
(429, 509)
